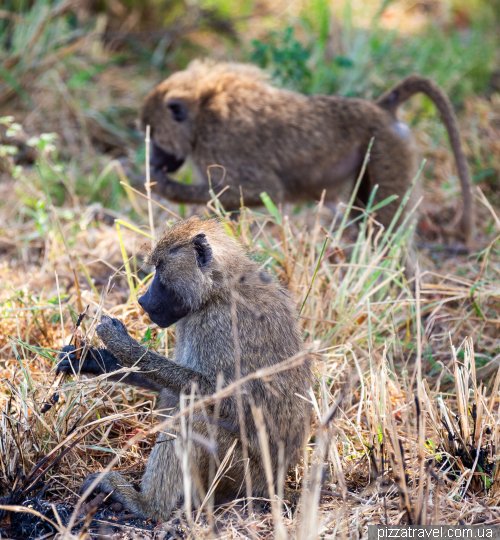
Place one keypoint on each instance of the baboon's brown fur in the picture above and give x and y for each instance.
(290, 145)
(235, 313)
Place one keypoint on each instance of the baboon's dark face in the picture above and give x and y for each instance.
(161, 304)
(170, 111)
(179, 281)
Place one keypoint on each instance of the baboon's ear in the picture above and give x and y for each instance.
(203, 249)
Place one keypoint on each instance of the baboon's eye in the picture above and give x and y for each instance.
(178, 109)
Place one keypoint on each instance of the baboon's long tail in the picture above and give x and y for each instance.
(415, 84)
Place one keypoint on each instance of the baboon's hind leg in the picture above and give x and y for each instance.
(162, 483)
(161, 486)
(392, 168)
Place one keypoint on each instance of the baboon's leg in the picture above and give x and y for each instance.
(162, 483)
(392, 168)
(179, 193)
(161, 486)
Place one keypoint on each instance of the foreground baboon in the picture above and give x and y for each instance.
(205, 284)
(290, 145)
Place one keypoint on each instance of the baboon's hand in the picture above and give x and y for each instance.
(159, 178)
(68, 362)
(72, 361)
(163, 184)
(96, 361)
(178, 192)
(115, 337)
(121, 491)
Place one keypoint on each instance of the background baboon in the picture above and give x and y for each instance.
(204, 282)
(290, 145)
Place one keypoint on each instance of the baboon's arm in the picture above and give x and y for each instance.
(252, 182)
(99, 361)
(179, 193)
(166, 373)
(155, 367)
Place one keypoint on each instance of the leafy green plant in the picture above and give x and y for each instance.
(285, 57)
(369, 60)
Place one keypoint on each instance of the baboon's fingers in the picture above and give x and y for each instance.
(122, 492)
(67, 358)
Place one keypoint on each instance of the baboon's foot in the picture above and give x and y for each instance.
(292, 496)
(121, 491)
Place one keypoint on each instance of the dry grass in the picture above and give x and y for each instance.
(406, 422)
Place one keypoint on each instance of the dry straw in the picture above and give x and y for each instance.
(406, 426)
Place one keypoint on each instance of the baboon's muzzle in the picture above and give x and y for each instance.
(161, 160)
(161, 304)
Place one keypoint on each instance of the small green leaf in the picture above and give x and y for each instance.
(271, 207)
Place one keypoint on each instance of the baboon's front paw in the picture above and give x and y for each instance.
(159, 176)
(111, 330)
(68, 360)
(164, 184)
